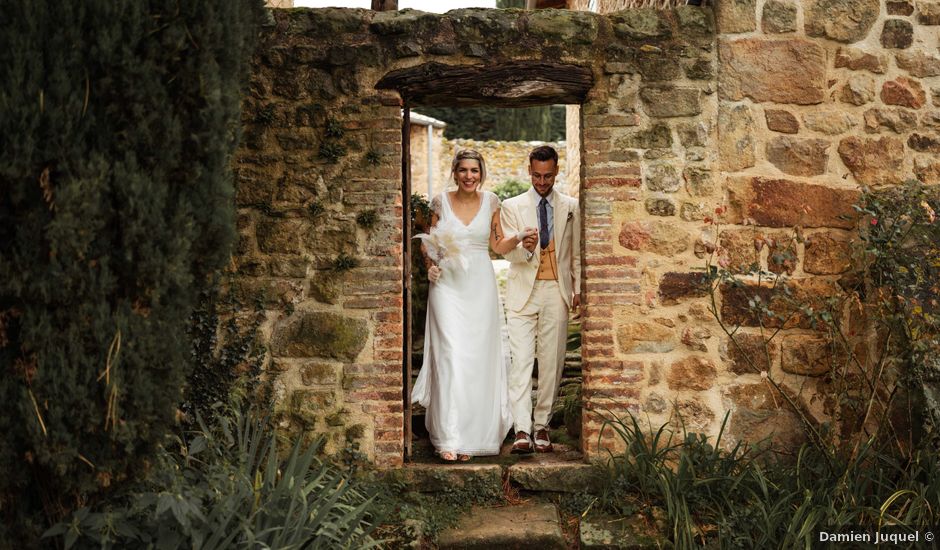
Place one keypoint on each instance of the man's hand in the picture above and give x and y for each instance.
(576, 305)
(434, 273)
(531, 240)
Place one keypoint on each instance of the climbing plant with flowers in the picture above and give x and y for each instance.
(876, 325)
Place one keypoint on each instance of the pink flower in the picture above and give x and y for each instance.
(874, 221)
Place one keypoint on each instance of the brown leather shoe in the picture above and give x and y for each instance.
(522, 444)
(542, 443)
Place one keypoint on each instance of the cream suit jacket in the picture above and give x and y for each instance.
(520, 212)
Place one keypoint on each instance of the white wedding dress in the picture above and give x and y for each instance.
(463, 381)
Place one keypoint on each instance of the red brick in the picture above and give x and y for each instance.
(598, 182)
(389, 316)
(611, 260)
(389, 355)
(616, 299)
(593, 273)
(605, 287)
(374, 395)
(591, 339)
(619, 170)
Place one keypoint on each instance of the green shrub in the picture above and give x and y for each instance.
(118, 124)
(508, 189)
(224, 486)
(724, 497)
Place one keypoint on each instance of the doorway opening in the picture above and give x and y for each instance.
(533, 108)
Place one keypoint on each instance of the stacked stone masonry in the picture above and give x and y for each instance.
(772, 110)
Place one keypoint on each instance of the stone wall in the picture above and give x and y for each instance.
(504, 159)
(777, 116)
(814, 99)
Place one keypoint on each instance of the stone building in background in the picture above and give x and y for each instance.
(427, 153)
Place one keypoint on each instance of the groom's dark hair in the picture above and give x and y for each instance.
(544, 153)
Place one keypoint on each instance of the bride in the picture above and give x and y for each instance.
(462, 382)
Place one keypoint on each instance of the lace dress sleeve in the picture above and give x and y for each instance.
(494, 201)
(436, 205)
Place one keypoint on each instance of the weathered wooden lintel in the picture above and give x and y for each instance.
(517, 84)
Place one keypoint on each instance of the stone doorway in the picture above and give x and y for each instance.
(506, 85)
(321, 204)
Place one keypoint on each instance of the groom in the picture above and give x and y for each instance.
(544, 284)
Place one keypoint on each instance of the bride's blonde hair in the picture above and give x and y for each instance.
(468, 154)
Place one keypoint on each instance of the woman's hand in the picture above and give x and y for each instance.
(434, 273)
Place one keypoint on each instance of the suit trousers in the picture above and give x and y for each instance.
(539, 329)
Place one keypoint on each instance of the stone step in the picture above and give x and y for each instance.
(484, 479)
(599, 532)
(563, 477)
(528, 525)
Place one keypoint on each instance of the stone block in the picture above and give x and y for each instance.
(601, 532)
(693, 416)
(844, 21)
(810, 355)
(928, 13)
(675, 286)
(696, 338)
(859, 89)
(658, 136)
(564, 477)
(897, 34)
(654, 236)
(779, 71)
(563, 26)
(658, 64)
(873, 161)
(830, 122)
(930, 120)
(662, 178)
(827, 254)
(692, 373)
(900, 7)
(779, 17)
(760, 413)
(739, 250)
(918, 63)
(749, 353)
(692, 134)
(671, 101)
(486, 479)
(735, 137)
(692, 212)
(898, 121)
(643, 337)
(640, 25)
(321, 334)
(904, 92)
(924, 143)
(314, 373)
(798, 157)
(660, 207)
(927, 169)
(783, 203)
(782, 256)
(781, 121)
(280, 236)
(701, 68)
(735, 16)
(699, 182)
(860, 60)
(745, 305)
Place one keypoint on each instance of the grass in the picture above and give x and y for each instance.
(733, 496)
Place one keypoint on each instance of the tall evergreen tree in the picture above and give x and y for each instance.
(117, 124)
